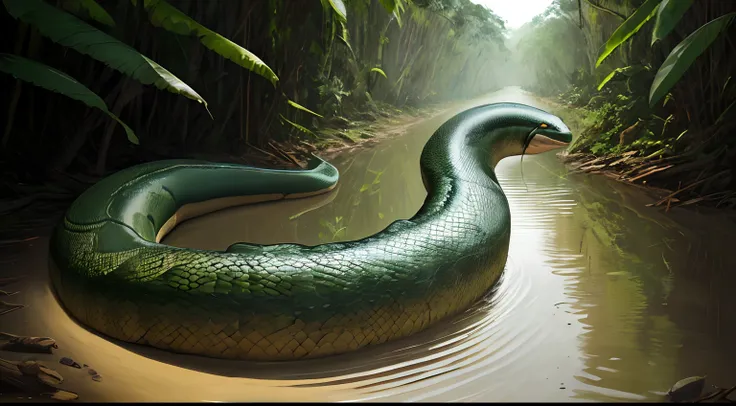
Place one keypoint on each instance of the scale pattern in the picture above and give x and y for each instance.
(290, 301)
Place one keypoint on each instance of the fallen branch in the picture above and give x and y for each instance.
(712, 196)
(266, 152)
(651, 171)
(32, 377)
(10, 342)
(709, 396)
(723, 395)
(285, 154)
(692, 185)
(589, 168)
(625, 157)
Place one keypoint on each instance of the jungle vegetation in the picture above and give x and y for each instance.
(94, 86)
(655, 80)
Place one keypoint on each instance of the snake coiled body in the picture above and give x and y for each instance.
(289, 301)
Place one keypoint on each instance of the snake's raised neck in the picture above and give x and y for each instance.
(480, 137)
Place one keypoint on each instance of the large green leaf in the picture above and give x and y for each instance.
(394, 7)
(684, 54)
(340, 10)
(669, 14)
(67, 30)
(300, 107)
(56, 81)
(629, 28)
(163, 14)
(88, 8)
(628, 71)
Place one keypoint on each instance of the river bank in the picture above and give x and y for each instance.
(660, 174)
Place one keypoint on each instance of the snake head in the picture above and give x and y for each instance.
(551, 133)
(507, 129)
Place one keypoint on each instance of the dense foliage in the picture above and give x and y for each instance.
(251, 72)
(655, 78)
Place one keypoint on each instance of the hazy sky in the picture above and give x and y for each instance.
(515, 12)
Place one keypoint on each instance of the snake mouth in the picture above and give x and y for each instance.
(542, 143)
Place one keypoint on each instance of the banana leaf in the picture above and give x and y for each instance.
(168, 17)
(628, 28)
(300, 107)
(65, 29)
(340, 10)
(59, 82)
(684, 54)
(627, 70)
(669, 14)
(88, 8)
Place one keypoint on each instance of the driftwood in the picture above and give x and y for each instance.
(32, 377)
(634, 170)
(650, 171)
(28, 377)
(10, 342)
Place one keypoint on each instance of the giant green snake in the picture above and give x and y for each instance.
(289, 301)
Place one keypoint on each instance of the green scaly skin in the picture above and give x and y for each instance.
(289, 301)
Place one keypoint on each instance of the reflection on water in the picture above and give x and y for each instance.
(602, 298)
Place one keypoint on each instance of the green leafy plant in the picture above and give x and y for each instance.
(331, 92)
(668, 14)
(625, 71)
(302, 108)
(628, 28)
(88, 9)
(684, 54)
(163, 14)
(59, 82)
(339, 7)
(67, 30)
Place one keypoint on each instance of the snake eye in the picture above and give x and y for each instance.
(543, 125)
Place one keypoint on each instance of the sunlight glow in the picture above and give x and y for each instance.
(515, 12)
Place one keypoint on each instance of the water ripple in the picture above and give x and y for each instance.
(498, 333)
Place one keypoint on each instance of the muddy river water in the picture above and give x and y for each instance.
(603, 298)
